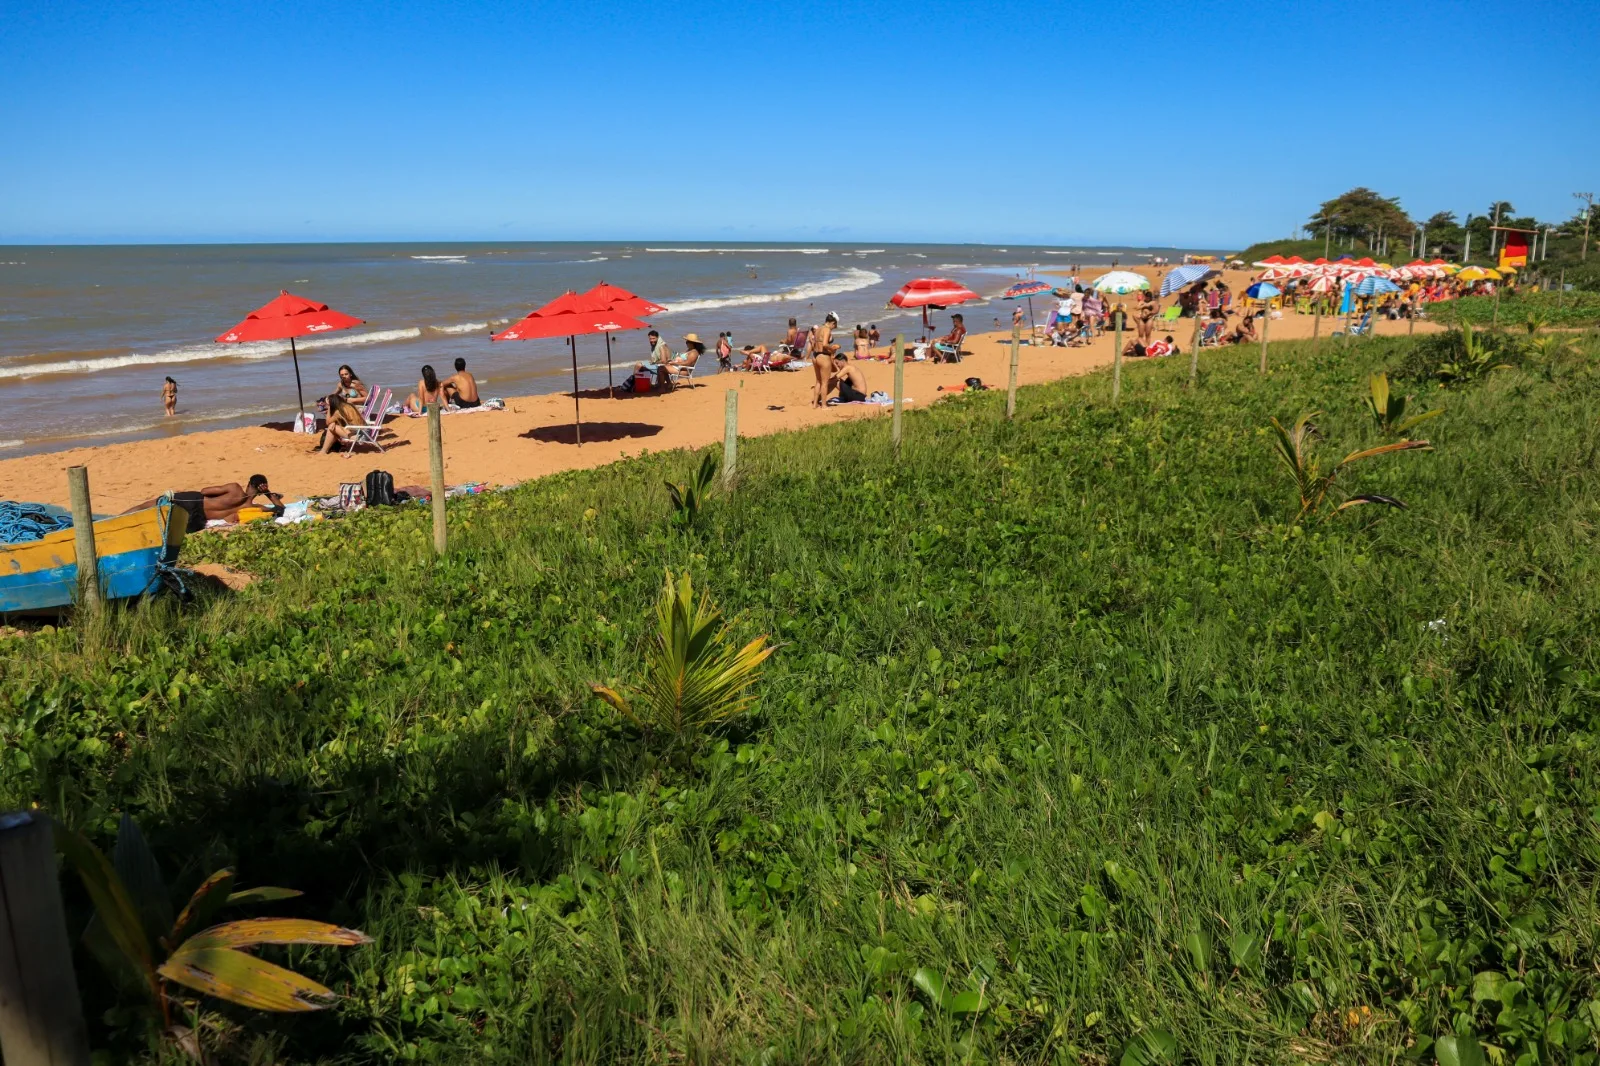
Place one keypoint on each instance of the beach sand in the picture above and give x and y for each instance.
(532, 437)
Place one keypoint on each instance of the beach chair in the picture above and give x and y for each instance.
(681, 372)
(1362, 327)
(1211, 335)
(372, 413)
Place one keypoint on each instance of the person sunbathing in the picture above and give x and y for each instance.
(683, 365)
(350, 386)
(755, 356)
(1161, 347)
(342, 414)
(429, 390)
(221, 503)
(461, 388)
(851, 382)
(947, 349)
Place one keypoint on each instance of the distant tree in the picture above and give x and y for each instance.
(1361, 214)
(1442, 232)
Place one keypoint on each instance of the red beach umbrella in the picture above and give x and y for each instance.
(284, 318)
(569, 315)
(932, 292)
(624, 302)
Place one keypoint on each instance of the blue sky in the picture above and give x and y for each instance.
(1189, 124)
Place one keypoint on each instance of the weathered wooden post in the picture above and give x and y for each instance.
(1011, 386)
(730, 438)
(83, 538)
(1266, 320)
(436, 462)
(1194, 351)
(899, 391)
(41, 1017)
(1116, 361)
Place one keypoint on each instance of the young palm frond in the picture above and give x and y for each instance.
(688, 498)
(1295, 450)
(694, 677)
(1388, 410)
(1535, 321)
(1477, 361)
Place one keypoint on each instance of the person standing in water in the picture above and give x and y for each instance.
(169, 396)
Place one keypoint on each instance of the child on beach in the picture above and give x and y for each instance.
(169, 396)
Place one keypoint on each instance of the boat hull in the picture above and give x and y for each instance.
(42, 575)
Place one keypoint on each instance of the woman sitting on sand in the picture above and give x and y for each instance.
(428, 391)
(341, 415)
(863, 344)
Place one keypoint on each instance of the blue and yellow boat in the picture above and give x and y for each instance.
(42, 575)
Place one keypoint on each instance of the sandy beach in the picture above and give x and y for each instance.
(532, 437)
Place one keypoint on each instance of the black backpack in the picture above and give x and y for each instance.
(380, 489)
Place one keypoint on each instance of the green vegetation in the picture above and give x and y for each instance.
(1558, 310)
(1076, 746)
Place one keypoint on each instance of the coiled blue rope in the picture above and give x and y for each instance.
(22, 522)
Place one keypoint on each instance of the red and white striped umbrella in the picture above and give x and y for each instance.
(932, 292)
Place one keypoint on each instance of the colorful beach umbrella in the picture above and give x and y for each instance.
(1027, 290)
(1475, 273)
(286, 317)
(1376, 286)
(1263, 290)
(623, 302)
(1121, 282)
(1180, 276)
(1323, 284)
(1270, 261)
(937, 293)
(569, 315)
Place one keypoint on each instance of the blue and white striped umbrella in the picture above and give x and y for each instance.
(1180, 276)
(1376, 286)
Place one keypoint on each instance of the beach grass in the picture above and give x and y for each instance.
(1077, 746)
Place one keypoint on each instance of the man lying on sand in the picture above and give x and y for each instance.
(222, 502)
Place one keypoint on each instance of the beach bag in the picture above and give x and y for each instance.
(305, 422)
(352, 496)
(379, 489)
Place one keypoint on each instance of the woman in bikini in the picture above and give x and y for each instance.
(863, 343)
(429, 390)
(350, 386)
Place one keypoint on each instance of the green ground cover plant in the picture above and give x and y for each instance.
(1076, 746)
(1555, 310)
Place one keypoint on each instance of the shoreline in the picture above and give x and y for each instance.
(532, 437)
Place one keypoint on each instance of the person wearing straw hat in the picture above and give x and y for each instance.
(693, 349)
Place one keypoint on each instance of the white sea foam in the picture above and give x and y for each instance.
(954, 266)
(442, 258)
(852, 279)
(201, 353)
(801, 251)
(461, 327)
(12, 443)
(918, 255)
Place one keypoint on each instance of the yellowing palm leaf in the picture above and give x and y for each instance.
(243, 979)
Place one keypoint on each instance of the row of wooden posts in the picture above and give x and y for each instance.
(41, 1021)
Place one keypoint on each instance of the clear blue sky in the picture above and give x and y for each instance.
(1151, 123)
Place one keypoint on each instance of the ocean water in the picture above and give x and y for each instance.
(88, 333)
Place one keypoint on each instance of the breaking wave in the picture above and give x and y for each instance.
(201, 353)
(851, 280)
(801, 251)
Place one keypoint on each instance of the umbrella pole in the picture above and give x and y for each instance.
(609, 386)
(1033, 328)
(299, 390)
(577, 413)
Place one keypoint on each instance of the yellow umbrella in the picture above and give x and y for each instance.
(1479, 274)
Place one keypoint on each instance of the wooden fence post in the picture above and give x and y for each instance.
(1266, 321)
(436, 463)
(1194, 350)
(730, 437)
(1011, 386)
(41, 1017)
(899, 391)
(83, 538)
(1116, 363)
